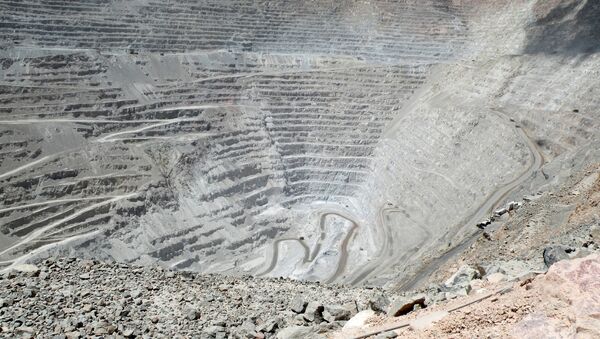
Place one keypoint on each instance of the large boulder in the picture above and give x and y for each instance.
(379, 303)
(575, 285)
(553, 254)
(336, 313)
(314, 312)
(459, 284)
(359, 320)
(28, 269)
(268, 326)
(246, 330)
(462, 277)
(298, 304)
(403, 305)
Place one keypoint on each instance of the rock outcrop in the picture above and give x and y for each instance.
(564, 303)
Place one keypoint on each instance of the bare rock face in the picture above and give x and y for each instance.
(565, 26)
(205, 144)
(350, 142)
(554, 254)
(462, 277)
(573, 286)
(561, 303)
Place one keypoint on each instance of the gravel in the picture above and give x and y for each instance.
(74, 298)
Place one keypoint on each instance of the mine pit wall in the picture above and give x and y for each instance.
(433, 176)
(282, 127)
(504, 86)
(223, 146)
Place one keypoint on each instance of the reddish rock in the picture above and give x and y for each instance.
(574, 287)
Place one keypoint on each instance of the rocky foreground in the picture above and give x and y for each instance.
(74, 298)
(561, 303)
(520, 279)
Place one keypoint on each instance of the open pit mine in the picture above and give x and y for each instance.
(364, 143)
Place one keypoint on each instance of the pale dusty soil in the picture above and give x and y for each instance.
(568, 217)
(563, 303)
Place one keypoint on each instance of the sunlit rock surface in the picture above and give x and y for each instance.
(348, 142)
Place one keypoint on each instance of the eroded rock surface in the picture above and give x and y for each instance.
(84, 298)
(564, 302)
(284, 139)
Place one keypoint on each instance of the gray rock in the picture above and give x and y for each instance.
(328, 327)
(87, 264)
(24, 329)
(387, 335)
(299, 332)
(128, 332)
(213, 330)
(298, 319)
(455, 291)
(514, 205)
(553, 254)
(100, 331)
(192, 314)
(526, 277)
(328, 317)
(462, 277)
(268, 326)
(403, 305)
(246, 330)
(335, 313)
(314, 312)
(494, 269)
(298, 304)
(434, 295)
(136, 294)
(379, 303)
(29, 293)
(73, 335)
(29, 269)
(111, 329)
(84, 276)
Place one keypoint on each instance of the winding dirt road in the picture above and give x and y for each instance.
(33, 236)
(485, 209)
(386, 247)
(387, 255)
(275, 256)
(310, 257)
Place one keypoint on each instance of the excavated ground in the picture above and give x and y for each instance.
(348, 143)
(85, 298)
(235, 137)
(355, 143)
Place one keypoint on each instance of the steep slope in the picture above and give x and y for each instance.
(356, 142)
